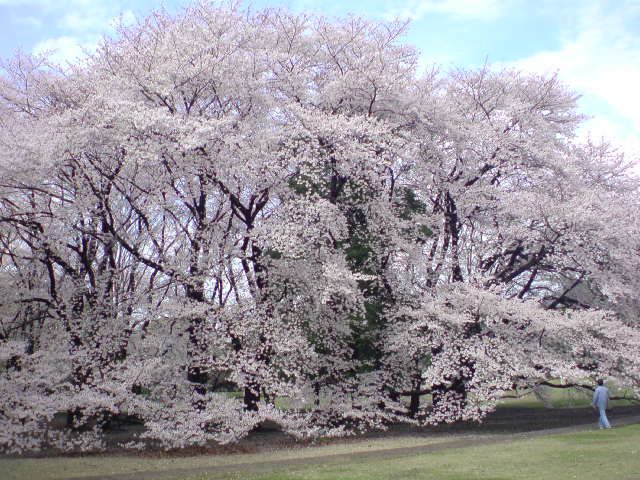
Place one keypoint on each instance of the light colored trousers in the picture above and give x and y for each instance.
(604, 421)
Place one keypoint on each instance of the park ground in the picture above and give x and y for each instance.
(518, 442)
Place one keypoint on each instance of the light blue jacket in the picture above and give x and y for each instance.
(601, 397)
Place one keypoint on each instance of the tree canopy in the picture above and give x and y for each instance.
(283, 205)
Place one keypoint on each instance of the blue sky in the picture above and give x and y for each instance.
(594, 44)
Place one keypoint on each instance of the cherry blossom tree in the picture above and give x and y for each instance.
(513, 200)
(224, 208)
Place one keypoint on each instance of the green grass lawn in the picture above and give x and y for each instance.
(560, 398)
(568, 398)
(57, 468)
(594, 454)
(611, 454)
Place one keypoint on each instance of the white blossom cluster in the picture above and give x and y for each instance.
(226, 217)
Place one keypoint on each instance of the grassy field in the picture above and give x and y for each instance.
(67, 467)
(569, 398)
(559, 398)
(586, 455)
(611, 454)
(592, 454)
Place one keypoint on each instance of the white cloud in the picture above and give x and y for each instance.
(83, 20)
(84, 25)
(64, 49)
(477, 9)
(69, 15)
(20, 3)
(43, 3)
(602, 128)
(96, 17)
(28, 21)
(600, 58)
(127, 17)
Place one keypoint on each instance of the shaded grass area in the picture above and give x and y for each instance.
(558, 397)
(586, 455)
(569, 398)
(512, 416)
(55, 468)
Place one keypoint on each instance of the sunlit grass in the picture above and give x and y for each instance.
(585, 456)
(559, 398)
(67, 467)
(567, 398)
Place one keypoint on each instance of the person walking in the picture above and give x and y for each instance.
(601, 403)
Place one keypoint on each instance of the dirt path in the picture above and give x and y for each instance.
(478, 436)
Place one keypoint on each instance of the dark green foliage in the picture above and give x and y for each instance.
(366, 252)
(409, 204)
